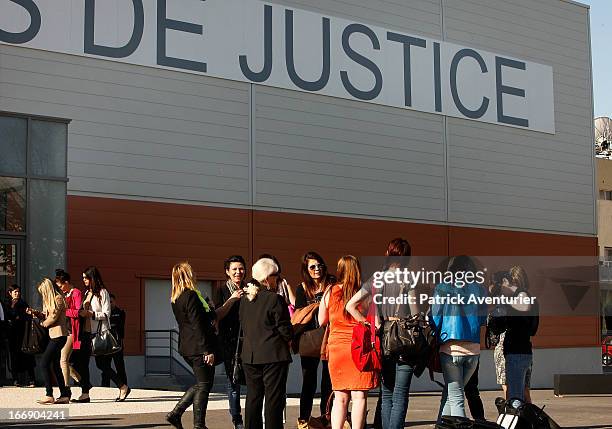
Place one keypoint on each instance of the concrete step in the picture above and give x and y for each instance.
(165, 382)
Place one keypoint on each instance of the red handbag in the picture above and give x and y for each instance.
(365, 345)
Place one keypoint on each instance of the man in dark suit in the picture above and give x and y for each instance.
(267, 330)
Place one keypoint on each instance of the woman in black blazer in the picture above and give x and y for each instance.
(197, 341)
(266, 327)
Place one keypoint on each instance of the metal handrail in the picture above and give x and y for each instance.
(170, 335)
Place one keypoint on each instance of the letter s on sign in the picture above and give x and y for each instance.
(31, 32)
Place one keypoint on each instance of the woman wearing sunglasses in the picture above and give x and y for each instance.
(315, 281)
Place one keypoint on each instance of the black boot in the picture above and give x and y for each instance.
(174, 416)
(200, 403)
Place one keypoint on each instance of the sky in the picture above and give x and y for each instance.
(601, 41)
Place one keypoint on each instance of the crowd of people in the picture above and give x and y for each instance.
(70, 318)
(252, 326)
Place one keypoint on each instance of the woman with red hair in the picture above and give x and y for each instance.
(348, 382)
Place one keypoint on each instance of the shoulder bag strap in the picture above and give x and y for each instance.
(397, 307)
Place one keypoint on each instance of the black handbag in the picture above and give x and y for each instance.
(35, 337)
(406, 338)
(104, 342)
(448, 422)
(516, 414)
(238, 376)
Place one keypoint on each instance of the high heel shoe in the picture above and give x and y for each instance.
(123, 398)
(81, 400)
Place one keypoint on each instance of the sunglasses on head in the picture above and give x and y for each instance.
(316, 266)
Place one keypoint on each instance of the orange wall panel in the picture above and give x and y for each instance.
(133, 240)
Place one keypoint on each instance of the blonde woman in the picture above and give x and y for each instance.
(53, 316)
(197, 342)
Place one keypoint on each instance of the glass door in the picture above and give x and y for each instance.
(11, 265)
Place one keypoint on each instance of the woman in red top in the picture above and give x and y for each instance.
(73, 298)
(347, 381)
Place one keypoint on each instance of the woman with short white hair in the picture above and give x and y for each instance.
(266, 327)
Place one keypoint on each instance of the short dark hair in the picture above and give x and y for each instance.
(14, 287)
(399, 247)
(61, 276)
(233, 258)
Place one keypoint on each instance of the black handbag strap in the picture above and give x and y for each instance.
(238, 344)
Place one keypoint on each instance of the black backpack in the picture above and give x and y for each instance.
(516, 414)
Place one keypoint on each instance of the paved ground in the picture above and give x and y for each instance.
(146, 409)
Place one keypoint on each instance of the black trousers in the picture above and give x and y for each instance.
(472, 394)
(50, 363)
(117, 358)
(20, 362)
(198, 393)
(80, 361)
(310, 365)
(104, 364)
(269, 381)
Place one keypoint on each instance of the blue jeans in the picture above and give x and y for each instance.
(396, 378)
(457, 371)
(233, 393)
(516, 370)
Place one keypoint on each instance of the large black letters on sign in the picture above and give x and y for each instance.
(32, 30)
(407, 41)
(503, 89)
(361, 60)
(290, 59)
(264, 74)
(90, 46)
(163, 24)
(473, 114)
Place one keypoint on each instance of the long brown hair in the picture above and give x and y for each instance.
(349, 276)
(310, 288)
(95, 280)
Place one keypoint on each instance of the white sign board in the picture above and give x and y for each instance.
(275, 45)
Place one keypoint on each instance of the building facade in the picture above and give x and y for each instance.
(148, 161)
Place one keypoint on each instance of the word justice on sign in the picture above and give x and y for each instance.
(274, 45)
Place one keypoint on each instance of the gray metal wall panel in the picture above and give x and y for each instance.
(153, 133)
(514, 178)
(414, 16)
(333, 155)
(137, 131)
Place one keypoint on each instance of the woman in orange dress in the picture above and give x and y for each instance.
(348, 382)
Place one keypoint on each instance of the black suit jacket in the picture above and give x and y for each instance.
(266, 328)
(196, 334)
